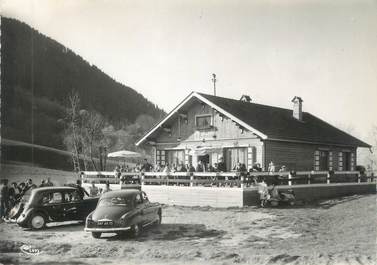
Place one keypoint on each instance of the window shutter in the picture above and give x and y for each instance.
(352, 161)
(330, 161)
(340, 161)
(250, 157)
(316, 160)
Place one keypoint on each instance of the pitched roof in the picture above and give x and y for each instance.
(270, 123)
(278, 123)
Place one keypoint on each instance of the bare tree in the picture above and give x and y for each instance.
(72, 132)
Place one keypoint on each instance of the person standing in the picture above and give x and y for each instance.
(93, 190)
(146, 167)
(4, 200)
(48, 183)
(271, 167)
(107, 187)
(80, 189)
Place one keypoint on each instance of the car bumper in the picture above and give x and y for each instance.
(107, 229)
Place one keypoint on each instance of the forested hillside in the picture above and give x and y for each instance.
(38, 74)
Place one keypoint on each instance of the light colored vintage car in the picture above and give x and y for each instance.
(123, 211)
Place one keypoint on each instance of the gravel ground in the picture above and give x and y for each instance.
(341, 231)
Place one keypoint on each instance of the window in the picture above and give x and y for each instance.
(145, 198)
(323, 160)
(235, 155)
(51, 198)
(175, 157)
(138, 199)
(160, 157)
(345, 161)
(71, 196)
(112, 201)
(203, 121)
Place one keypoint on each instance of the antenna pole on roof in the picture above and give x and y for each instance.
(214, 84)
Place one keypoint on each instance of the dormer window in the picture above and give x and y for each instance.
(203, 122)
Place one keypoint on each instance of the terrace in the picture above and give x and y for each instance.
(227, 189)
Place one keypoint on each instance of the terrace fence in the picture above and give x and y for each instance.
(227, 179)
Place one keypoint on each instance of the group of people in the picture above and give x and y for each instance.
(95, 191)
(12, 193)
(181, 167)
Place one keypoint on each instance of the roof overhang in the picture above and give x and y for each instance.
(211, 104)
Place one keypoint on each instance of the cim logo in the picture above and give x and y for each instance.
(30, 250)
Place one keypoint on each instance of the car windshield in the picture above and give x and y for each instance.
(119, 201)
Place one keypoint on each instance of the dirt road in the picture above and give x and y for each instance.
(330, 232)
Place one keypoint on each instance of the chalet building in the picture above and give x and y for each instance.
(210, 128)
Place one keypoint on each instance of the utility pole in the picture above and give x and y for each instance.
(214, 83)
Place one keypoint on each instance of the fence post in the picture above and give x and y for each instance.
(242, 178)
(358, 177)
(309, 176)
(142, 178)
(328, 177)
(191, 179)
(289, 179)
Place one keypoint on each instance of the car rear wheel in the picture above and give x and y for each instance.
(136, 230)
(37, 221)
(96, 234)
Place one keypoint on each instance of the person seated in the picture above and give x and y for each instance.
(257, 168)
(221, 165)
(182, 168)
(240, 167)
(210, 168)
(146, 167)
(190, 168)
(274, 192)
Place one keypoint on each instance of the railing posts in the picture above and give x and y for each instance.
(309, 177)
(289, 179)
(328, 178)
(358, 177)
(242, 178)
(191, 180)
(142, 178)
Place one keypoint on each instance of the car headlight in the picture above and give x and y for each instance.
(89, 219)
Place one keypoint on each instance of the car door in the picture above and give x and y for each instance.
(51, 203)
(149, 210)
(71, 205)
(142, 217)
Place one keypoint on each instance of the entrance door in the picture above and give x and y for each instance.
(204, 159)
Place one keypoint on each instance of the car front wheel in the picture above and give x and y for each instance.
(96, 234)
(37, 221)
(136, 230)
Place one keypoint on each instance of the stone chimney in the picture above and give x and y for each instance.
(297, 108)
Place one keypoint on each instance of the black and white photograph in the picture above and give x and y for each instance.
(188, 132)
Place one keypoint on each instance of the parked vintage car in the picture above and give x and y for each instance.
(55, 204)
(121, 211)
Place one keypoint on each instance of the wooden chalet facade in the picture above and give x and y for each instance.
(210, 128)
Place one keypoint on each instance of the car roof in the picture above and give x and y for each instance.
(54, 188)
(120, 193)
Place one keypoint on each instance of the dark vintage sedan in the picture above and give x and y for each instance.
(123, 211)
(55, 204)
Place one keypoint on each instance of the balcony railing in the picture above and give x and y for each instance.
(227, 179)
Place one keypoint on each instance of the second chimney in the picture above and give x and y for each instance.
(297, 108)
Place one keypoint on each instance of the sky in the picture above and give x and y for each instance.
(272, 50)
